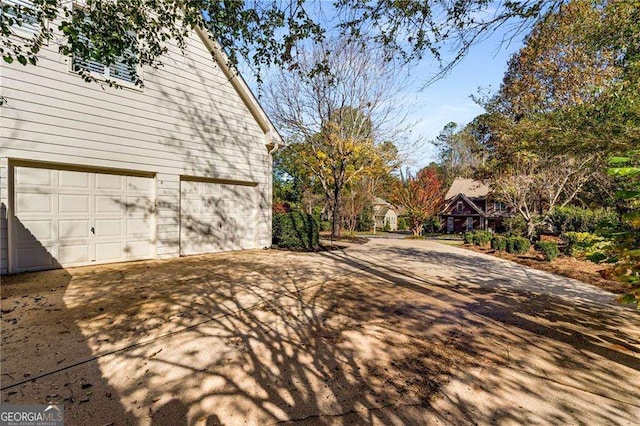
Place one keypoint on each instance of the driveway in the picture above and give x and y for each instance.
(389, 332)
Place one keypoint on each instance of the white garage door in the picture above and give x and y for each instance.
(216, 217)
(71, 218)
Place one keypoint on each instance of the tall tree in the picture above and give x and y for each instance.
(460, 151)
(338, 122)
(421, 196)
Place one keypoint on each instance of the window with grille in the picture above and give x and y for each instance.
(23, 14)
(499, 206)
(118, 70)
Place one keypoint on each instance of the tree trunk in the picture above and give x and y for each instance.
(336, 220)
(417, 230)
(531, 228)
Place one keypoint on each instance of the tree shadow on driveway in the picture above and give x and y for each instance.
(249, 337)
(362, 336)
(562, 347)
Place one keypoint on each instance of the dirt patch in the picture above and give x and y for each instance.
(566, 266)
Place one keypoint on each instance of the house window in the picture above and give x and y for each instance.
(23, 13)
(119, 70)
(449, 224)
(469, 224)
(459, 206)
(499, 206)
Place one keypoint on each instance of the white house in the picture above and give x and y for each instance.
(91, 174)
(384, 213)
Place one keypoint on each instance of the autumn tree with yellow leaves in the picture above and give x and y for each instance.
(340, 126)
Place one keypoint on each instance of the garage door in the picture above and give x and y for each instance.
(71, 218)
(216, 217)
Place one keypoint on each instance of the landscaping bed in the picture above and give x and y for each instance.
(582, 270)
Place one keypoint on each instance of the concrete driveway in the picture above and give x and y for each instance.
(389, 332)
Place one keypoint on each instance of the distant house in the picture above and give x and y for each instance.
(470, 207)
(384, 213)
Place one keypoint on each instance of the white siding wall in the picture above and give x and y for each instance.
(187, 120)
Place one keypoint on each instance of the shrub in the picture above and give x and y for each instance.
(515, 225)
(518, 245)
(499, 242)
(579, 242)
(402, 224)
(482, 238)
(295, 230)
(575, 219)
(364, 220)
(387, 227)
(468, 237)
(549, 249)
(591, 246)
(325, 225)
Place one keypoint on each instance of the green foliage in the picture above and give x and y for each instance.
(575, 219)
(482, 238)
(402, 224)
(387, 226)
(264, 33)
(498, 242)
(579, 243)
(468, 237)
(626, 239)
(325, 225)
(295, 230)
(364, 220)
(518, 245)
(515, 225)
(549, 249)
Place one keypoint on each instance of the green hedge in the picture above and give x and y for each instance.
(549, 249)
(579, 242)
(518, 245)
(482, 238)
(468, 237)
(575, 219)
(499, 242)
(295, 230)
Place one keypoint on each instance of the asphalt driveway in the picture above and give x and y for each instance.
(389, 332)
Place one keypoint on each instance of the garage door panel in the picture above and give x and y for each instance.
(189, 187)
(80, 218)
(138, 205)
(34, 203)
(41, 230)
(138, 184)
(26, 176)
(109, 252)
(108, 204)
(35, 258)
(73, 180)
(73, 228)
(109, 182)
(105, 228)
(74, 254)
(73, 203)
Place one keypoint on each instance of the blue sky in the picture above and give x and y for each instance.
(448, 99)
